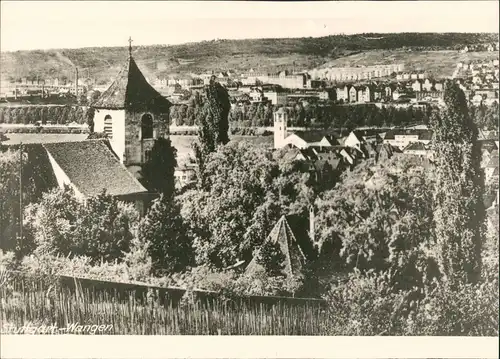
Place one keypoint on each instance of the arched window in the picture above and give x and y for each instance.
(147, 126)
(108, 126)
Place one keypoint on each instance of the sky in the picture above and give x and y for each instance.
(28, 25)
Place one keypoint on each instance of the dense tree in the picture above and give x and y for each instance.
(37, 178)
(213, 125)
(218, 110)
(459, 211)
(246, 192)
(158, 170)
(90, 113)
(101, 228)
(378, 218)
(163, 231)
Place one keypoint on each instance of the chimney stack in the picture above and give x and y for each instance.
(76, 82)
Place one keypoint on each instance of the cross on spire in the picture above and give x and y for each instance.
(130, 45)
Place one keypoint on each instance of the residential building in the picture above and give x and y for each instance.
(286, 80)
(353, 94)
(427, 85)
(256, 95)
(184, 175)
(343, 93)
(324, 95)
(438, 86)
(416, 86)
(417, 149)
(491, 167)
(276, 97)
(401, 138)
(429, 95)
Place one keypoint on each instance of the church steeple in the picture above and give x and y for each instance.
(130, 90)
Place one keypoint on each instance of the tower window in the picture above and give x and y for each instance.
(108, 126)
(147, 126)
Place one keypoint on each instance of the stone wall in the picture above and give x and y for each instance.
(135, 146)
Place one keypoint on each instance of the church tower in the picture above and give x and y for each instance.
(280, 121)
(133, 114)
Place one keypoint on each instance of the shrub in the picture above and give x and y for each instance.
(367, 305)
(102, 228)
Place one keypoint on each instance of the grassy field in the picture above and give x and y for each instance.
(437, 63)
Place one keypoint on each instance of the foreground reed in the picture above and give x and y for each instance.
(149, 315)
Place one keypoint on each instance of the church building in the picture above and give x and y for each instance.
(298, 139)
(132, 114)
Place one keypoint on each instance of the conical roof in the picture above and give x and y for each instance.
(131, 90)
(284, 236)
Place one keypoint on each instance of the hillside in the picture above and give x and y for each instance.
(266, 54)
(436, 63)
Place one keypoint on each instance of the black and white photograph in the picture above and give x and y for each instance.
(249, 168)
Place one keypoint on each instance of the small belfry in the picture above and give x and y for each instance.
(132, 114)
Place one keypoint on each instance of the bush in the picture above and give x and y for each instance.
(102, 228)
(367, 305)
(468, 310)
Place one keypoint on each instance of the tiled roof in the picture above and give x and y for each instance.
(416, 146)
(92, 167)
(291, 153)
(284, 236)
(320, 164)
(131, 90)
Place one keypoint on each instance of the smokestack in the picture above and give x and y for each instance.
(76, 82)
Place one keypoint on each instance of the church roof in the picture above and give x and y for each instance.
(91, 167)
(131, 90)
(284, 236)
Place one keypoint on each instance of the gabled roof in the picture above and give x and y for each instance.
(493, 163)
(284, 236)
(131, 90)
(416, 146)
(291, 154)
(321, 163)
(92, 167)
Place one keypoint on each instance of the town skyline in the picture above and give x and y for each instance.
(87, 24)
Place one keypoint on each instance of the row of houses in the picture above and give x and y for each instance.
(490, 47)
(423, 89)
(479, 81)
(355, 73)
(419, 75)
